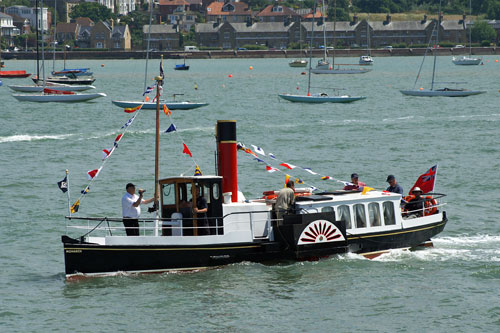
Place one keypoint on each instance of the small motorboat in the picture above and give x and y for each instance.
(298, 63)
(365, 60)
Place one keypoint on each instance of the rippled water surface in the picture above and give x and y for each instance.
(451, 287)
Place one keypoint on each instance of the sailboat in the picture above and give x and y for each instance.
(317, 97)
(299, 62)
(447, 92)
(51, 94)
(367, 59)
(182, 67)
(468, 60)
(172, 105)
(324, 67)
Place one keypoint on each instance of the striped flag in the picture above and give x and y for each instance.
(132, 110)
(166, 110)
(148, 90)
(197, 171)
(117, 139)
(299, 181)
(288, 166)
(258, 150)
(310, 171)
(271, 169)
(75, 207)
(271, 155)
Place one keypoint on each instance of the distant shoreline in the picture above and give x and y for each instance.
(228, 54)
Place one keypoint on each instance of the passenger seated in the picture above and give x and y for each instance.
(415, 207)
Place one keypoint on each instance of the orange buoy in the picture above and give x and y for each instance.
(102, 65)
(421, 88)
(146, 99)
(230, 75)
(250, 68)
(496, 60)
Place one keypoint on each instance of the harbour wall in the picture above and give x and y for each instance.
(224, 54)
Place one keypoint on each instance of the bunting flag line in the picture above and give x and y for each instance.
(127, 124)
(299, 181)
(86, 190)
(106, 153)
(92, 173)
(366, 189)
(75, 207)
(186, 150)
(63, 184)
(171, 128)
(166, 110)
(197, 171)
(271, 169)
(148, 90)
(310, 171)
(271, 155)
(259, 160)
(288, 166)
(325, 177)
(258, 150)
(132, 110)
(117, 139)
(248, 151)
(287, 178)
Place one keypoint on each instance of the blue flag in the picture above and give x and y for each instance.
(171, 128)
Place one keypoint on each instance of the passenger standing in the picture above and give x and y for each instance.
(285, 199)
(131, 209)
(394, 187)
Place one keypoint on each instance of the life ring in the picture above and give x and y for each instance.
(430, 206)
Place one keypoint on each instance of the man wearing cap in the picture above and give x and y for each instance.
(131, 209)
(356, 184)
(416, 205)
(394, 187)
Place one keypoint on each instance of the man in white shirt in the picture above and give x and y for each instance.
(131, 209)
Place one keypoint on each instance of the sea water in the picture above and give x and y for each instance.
(453, 287)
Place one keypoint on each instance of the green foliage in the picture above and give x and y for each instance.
(446, 44)
(485, 43)
(208, 48)
(9, 3)
(92, 10)
(135, 21)
(342, 10)
(481, 31)
(296, 46)
(399, 45)
(254, 47)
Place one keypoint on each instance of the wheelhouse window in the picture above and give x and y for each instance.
(168, 194)
(344, 215)
(215, 191)
(359, 215)
(389, 216)
(374, 214)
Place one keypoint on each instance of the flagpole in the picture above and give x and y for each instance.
(159, 82)
(435, 178)
(67, 184)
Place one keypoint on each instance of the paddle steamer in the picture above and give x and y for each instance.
(320, 225)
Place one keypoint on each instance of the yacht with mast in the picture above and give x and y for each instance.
(446, 92)
(299, 62)
(367, 59)
(324, 67)
(322, 97)
(468, 60)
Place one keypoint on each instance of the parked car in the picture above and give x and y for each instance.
(388, 47)
(242, 49)
(459, 47)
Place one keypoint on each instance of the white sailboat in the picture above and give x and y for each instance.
(318, 97)
(52, 94)
(468, 60)
(299, 62)
(447, 92)
(324, 67)
(367, 59)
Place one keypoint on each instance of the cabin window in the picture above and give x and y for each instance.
(216, 191)
(168, 194)
(374, 214)
(344, 215)
(327, 209)
(359, 215)
(206, 192)
(389, 217)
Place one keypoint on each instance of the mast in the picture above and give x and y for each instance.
(311, 51)
(470, 28)
(159, 82)
(147, 44)
(437, 46)
(37, 52)
(55, 37)
(334, 29)
(324, 29)
(368, 38)
(43, 44)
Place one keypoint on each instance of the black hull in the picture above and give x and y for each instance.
(94, 259)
